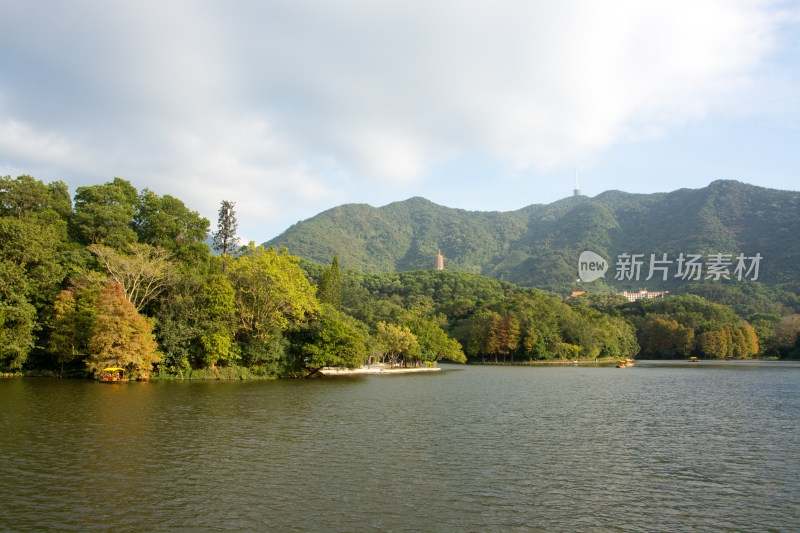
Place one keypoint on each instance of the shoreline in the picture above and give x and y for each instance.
(376, 369)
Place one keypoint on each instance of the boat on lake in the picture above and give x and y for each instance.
(113, 375)
(624, 363)
(694, 360)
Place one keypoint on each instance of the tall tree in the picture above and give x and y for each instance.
(225, 239)
(330, 285)
(121, 336)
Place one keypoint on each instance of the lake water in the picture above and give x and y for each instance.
(657, 447)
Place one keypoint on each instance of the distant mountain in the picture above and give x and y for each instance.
(539, 245)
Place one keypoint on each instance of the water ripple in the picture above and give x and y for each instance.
(652, 448)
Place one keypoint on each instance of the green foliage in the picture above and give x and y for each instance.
(104, 214)
(34, 247)
(17, 317)
(434, 344)
(539, 245)
(533, 326)
(218, 321)
(257, 314)
(179, 323)
(787, 334)
(165, 222)
(27, 196)
(333, 340)
(272, 293)
(74, 321)
(682, 325)
(395, 341)
(330, 285)
(270, 357)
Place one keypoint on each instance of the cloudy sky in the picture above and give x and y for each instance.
(292, 107)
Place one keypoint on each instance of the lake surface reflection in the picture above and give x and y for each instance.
(657, 447)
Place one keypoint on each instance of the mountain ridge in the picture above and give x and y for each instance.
(538, 245)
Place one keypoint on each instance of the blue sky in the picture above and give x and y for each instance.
(289, 108)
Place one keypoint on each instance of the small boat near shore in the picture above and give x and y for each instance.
(694, 360)
(113, 375)
(624, 363)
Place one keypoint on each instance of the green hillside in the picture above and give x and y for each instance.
(539, 245)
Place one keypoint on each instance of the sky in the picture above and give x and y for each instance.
(289, 108)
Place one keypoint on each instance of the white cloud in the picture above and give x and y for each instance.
(29, 145)
(286, 107)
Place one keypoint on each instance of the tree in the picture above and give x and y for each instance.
(27, 195)
(73, 322)
(272, 293)
(225, 239)
(144, 272)
(333, 340)
(121, 336)
(17, 317)
(787, 329)
(33, 247)
(434, 344)
(396, 341)
(503, 335)
(164, 221)
(104, 214)
(178, 325)
(218, 320)
(330, 285)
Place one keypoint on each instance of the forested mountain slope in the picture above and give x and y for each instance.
(539, 245)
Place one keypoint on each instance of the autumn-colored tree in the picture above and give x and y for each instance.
(503, 337)
(121, 336)
(709, 344)
(751, 339)
(739, 343)
(661, 336)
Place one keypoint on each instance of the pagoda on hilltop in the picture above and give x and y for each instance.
(439, 260)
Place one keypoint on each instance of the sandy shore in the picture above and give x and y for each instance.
(376, 369)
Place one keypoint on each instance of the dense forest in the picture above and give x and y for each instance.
(113, 276)
(539, 245)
